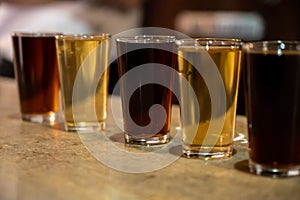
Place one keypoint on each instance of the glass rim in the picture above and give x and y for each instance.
(271, 45)
(209, 42)
(83, 36)
(144, 39)
(274, 42)
(34, 34)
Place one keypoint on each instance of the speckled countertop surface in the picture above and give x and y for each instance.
(41, 162)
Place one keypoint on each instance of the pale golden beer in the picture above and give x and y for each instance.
(226, 56)
(83, 55)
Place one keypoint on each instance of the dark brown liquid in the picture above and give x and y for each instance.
(149, 94)
(273, 108)
(37, 73)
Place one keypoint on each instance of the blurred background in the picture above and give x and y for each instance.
(248, 19)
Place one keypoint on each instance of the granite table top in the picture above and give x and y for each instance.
(43, 162)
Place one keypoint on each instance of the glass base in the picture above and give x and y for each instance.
(147, 140)
(272, 171)
(85, 126)
(48, 119)
(207, 153)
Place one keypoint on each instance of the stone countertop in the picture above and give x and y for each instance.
(43, 162)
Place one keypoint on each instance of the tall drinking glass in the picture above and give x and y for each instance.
(273, 107)
(146, 95)
(197, 57)
(81, 58)
(36, 70)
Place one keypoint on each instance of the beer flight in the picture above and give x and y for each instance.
(51, 67)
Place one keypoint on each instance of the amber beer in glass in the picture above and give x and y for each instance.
(84, 55)
(225, 54)
(134, 52)
(36, 71)
(273, 107)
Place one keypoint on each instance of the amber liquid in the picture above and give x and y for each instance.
(273, 111)
(87, 57)
(149, 94)
(228, 63)
(37, 74)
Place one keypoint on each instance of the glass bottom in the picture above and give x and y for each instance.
(129, 139)
(48, 119)
(85, 126)
(272, 171)
(207, 153)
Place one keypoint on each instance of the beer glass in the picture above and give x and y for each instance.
(146, 95)
(82, 57)
(36, 70)
(197, 58)
(273, 107)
